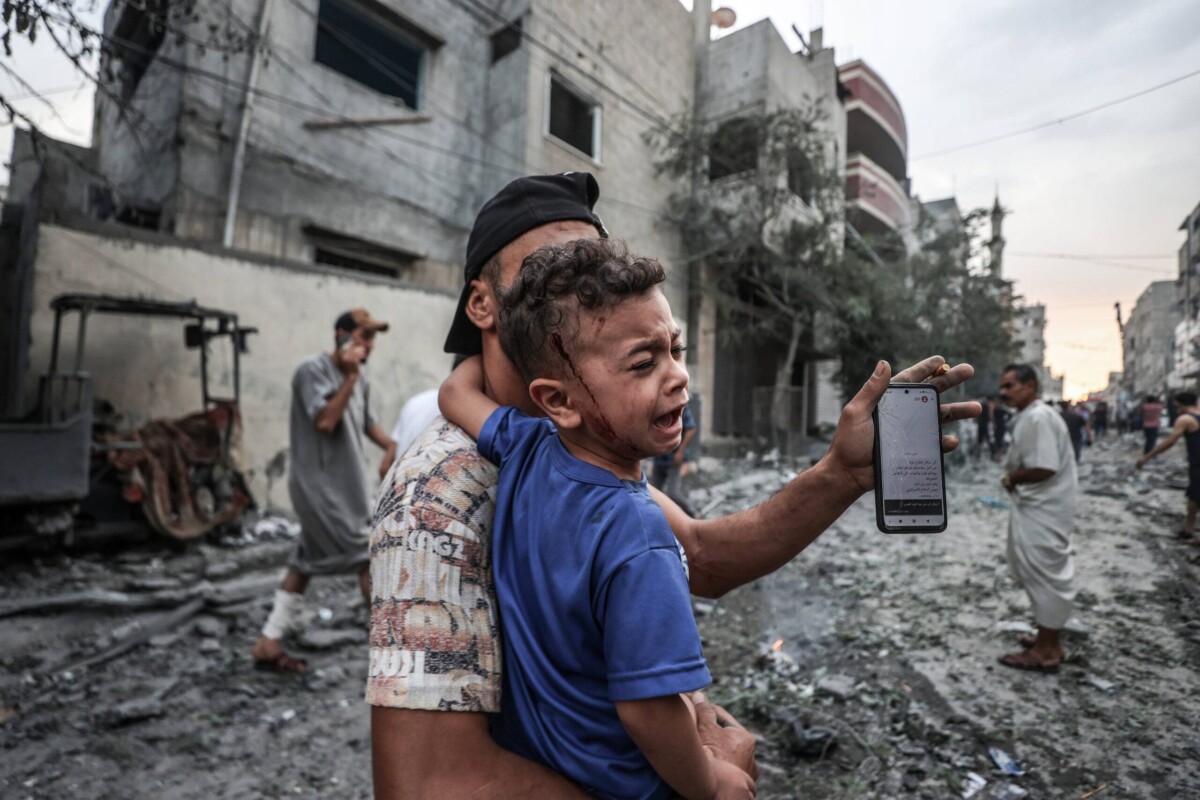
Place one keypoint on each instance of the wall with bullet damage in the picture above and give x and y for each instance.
(141, 365)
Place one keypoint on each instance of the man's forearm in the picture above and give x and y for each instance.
(335, 406)
(377, 435)
(727, 552)
(430, 755)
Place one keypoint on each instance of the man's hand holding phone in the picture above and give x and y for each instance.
(854, 439)
(349, 355)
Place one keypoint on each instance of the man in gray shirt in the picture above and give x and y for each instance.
(331, 411)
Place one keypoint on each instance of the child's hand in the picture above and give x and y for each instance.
(722, 735)
(732, 783)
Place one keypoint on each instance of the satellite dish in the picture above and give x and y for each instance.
(724, 17)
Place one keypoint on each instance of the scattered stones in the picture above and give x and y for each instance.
(812, 742)
(132, 711)
(211, 627)
(840, 687)
(1106, 686)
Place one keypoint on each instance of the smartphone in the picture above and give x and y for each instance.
(910, 479)
(344, 341)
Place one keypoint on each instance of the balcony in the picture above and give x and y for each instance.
(875, 123)
(877, 202)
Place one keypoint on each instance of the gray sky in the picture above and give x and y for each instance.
(1115, 182)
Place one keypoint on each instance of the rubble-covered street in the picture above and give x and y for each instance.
(882, 682)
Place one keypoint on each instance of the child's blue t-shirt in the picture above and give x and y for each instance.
(594, 605)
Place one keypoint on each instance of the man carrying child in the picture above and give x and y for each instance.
(600, 641)
(435, 663)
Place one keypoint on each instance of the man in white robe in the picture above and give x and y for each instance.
(1039, 475)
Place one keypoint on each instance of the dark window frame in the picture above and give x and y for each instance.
(733, 148)
(567, 91)
(137, 37)
(335, 249)
(375, 47)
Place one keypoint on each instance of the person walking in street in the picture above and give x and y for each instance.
(999, 428)
(1151, 420)
(327, 482)
(1100, 419)
(1076, 426)
(1187, 426)
(983, 429)
(1040, 477)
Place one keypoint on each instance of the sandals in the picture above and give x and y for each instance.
(281, 663)
(1024, 662)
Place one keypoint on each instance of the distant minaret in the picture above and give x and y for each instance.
(996, 243)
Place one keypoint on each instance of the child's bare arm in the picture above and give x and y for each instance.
(462, 400)
(664, 730)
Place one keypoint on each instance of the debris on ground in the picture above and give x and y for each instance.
(866, 667)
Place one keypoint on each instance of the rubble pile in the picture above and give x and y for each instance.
(889, 644)
(866, 667)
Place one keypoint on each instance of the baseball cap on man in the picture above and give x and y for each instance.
(519, 207)
(357, 318)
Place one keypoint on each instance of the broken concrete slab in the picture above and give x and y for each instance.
(841, 687)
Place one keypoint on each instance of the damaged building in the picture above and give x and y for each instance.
(289, 159)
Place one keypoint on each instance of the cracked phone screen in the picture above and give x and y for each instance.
(910, 459)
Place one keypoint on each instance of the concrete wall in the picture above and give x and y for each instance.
(1150, 339)
(135, 144)
(636, 71)
(414, 187)
(142, 367)
(752, 71)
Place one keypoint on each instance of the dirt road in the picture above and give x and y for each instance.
(888, 643)
(891, 642)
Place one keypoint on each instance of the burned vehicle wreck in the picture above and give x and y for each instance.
(68, 466)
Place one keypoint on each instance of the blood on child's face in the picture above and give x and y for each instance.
(627, 378)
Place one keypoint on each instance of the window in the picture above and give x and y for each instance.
(574, 119)
(374, 46)
(339, 250)
(801, 178)
(136, 38)
(506, 40)
(733, 149)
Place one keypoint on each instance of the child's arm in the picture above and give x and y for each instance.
(462, 400)
(664, 730)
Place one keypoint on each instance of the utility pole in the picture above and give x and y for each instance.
(239, 150)
(701, 22)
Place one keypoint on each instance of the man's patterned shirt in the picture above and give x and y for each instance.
(435, 644)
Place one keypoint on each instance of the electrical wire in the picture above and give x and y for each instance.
(1058, 121)
(1097, 262)
(1089, 256)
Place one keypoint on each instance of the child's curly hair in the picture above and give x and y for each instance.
(539, 311)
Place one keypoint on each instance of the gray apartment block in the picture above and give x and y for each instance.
(1149, 340)
(361, 136)
(374, 130)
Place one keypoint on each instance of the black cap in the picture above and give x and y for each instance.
(521, 206)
